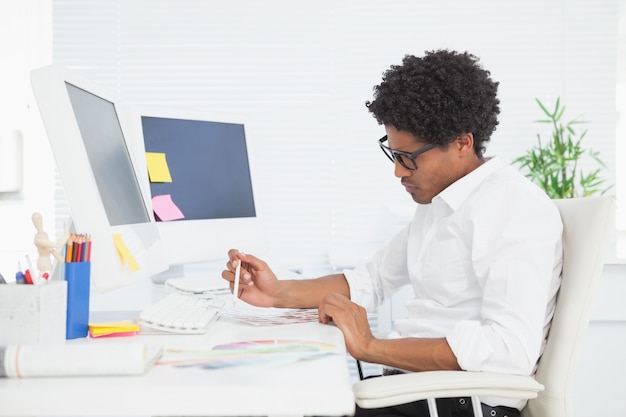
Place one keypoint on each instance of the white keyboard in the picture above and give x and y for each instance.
(179, 313)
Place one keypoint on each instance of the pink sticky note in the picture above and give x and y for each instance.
(165, 209)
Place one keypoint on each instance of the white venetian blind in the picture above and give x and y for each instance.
(300, 72)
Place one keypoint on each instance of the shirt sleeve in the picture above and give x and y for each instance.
(372, 282)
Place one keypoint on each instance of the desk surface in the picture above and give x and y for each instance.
(317, 387)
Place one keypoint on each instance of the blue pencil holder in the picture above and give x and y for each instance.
(78, 277)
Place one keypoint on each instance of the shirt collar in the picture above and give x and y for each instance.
(457, 192)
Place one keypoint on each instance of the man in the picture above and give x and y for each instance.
(483, 252)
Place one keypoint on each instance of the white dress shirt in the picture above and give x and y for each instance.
(484, 259)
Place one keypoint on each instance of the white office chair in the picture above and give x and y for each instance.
(587, 225)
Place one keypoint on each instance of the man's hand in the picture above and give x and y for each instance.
(351, 318)
(257, 283)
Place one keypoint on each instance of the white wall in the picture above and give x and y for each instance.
(25, 43)
(600, 377)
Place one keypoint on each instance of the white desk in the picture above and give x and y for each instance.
(317, 387)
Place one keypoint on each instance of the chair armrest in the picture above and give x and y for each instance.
(404, 388)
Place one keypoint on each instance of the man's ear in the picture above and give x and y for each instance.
(465, 143)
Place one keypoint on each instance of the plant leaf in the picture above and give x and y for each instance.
(554, 166)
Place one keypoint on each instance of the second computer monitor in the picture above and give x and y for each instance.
(200, 182)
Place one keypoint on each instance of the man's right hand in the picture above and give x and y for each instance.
(258, 284)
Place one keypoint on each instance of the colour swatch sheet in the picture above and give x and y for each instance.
(247, 353)
(263, 316)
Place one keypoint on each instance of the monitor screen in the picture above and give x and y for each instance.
(109, 158)
(208, 163)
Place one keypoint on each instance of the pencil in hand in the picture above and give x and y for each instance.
(236, 287)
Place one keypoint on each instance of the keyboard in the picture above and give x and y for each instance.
(179, 313)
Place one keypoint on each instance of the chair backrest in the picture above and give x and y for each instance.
(587, 224)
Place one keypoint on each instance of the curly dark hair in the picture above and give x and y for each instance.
(438, 97)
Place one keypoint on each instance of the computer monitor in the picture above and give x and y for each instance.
(99, 177)
(208, 183)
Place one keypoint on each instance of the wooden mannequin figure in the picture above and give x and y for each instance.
(46, 247)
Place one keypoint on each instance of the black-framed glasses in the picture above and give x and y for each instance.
(406, 159)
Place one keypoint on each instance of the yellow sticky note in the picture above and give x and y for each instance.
(158, 171)
(124, 253)
(113, 328)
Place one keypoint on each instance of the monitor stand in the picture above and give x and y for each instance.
(207, 270)
(174, 271)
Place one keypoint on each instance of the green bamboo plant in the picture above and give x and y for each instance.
(554, 164)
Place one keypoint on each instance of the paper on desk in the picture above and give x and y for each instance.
(262, 316)
(248, 353)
